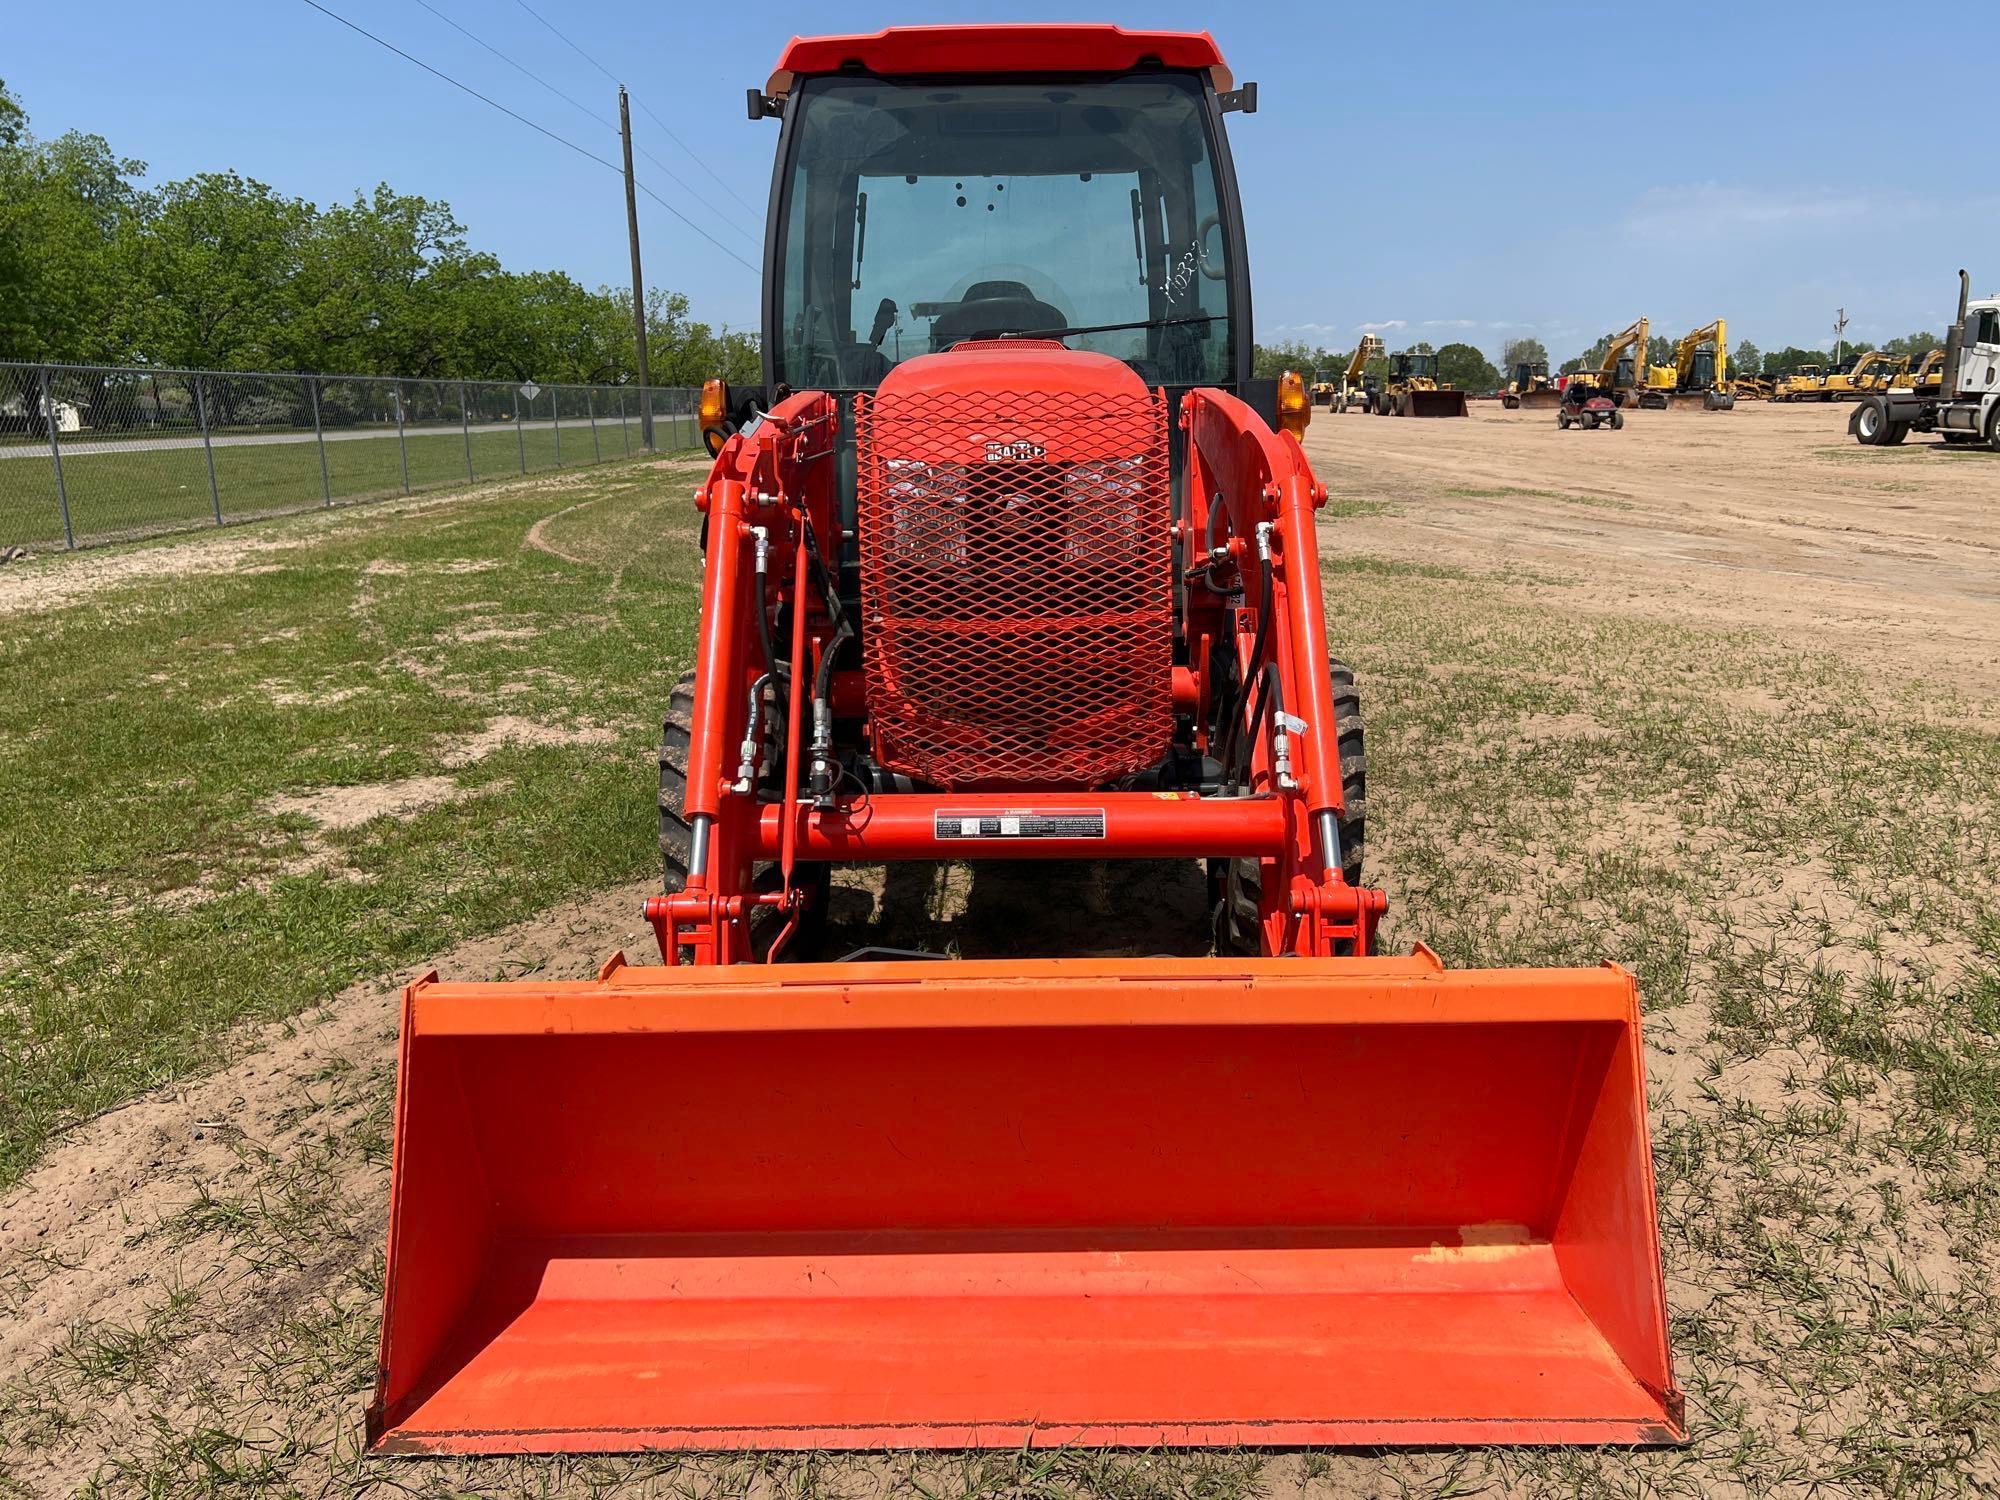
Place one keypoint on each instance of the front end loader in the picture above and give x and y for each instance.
(1012, 560)
(1414, 390)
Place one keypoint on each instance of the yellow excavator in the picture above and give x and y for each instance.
(1806, 383)
(1869, 373)
(1414, 390)
(1928, 375)
(1695, 378)
(1616, 374)
(1354, 390)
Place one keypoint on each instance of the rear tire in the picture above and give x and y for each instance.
(1870, 423)
(1236, 885)
(1617, 420)
(1897, 432)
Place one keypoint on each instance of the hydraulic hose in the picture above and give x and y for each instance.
(1235, 726)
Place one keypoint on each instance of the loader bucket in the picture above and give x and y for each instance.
(1123, 1202)
(1438, 404)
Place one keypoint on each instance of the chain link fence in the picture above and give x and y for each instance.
(96, 454)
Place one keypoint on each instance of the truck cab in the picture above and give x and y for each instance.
(1964, 405)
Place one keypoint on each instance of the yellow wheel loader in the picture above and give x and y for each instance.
(1414, 390)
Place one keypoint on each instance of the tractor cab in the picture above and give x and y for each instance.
(928, 194)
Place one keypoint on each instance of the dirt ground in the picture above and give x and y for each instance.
(204, 1264)
(1767, 517)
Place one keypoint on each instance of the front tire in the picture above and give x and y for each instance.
(677, 841)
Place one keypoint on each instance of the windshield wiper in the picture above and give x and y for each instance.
(1063, 333)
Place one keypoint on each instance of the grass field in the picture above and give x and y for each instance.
(113, 494)
(237, 786)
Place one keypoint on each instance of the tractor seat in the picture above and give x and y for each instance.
(991, 308)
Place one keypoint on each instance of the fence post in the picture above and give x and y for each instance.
(555, 416)
(590, 411)
(207, 447)
(520, 441)
(465, 421)
(624, 430)
(402, 442)
(319, 438)
(55, 456)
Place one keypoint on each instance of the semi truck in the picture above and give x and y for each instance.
(1964, 406)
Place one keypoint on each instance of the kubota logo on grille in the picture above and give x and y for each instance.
(1014, 452)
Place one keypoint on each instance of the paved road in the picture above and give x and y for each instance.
(73, 447)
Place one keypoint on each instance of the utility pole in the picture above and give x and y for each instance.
(1839, 328)
(638, 277)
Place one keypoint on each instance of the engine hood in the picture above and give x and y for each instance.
(1013, 366)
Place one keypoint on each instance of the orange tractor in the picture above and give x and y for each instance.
(1010, 559)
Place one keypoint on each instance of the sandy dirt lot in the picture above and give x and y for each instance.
(1717, 695)
(1767, 517)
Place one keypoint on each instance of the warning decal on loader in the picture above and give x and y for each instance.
(1018, 823)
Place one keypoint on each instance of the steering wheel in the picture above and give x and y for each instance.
(1213, 270)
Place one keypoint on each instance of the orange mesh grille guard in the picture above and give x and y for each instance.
(1016, 580)
(1273, 1201)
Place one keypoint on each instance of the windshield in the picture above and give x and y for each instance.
(917, 215)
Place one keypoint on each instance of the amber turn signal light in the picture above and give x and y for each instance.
(1294, 410)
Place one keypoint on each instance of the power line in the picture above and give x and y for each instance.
(746, 265)
(463, 87)
(517, 67)
(687, 187)
(699, 161)
(646, 108)
(539, 129)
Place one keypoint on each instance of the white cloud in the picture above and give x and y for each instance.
(1719, 211)
(1388, 325)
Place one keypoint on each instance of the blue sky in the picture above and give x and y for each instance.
(1430, 171)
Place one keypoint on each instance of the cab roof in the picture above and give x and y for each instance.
(988, 50)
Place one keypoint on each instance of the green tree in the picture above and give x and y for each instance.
(221, 271)
(215, 262)
(1465, 367)
(1591, 358)
(1744, 357)
(1779, 362)
(1272, 360)
(1916, 345)
(63, 204)
(1522, 351)
(13, 119)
